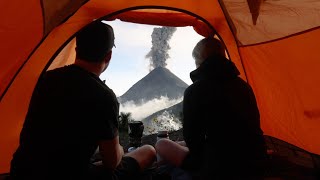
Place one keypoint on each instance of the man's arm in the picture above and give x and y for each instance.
(111, 152)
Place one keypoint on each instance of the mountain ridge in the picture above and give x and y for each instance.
(159, 82)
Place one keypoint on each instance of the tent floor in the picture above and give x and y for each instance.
(288, 162)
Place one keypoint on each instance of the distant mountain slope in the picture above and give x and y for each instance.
(167, 119)
(175, 110)
(159, 82)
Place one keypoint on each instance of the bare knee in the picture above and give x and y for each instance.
(144, 155)
(171, 151)
(162, 145)
(143, 152)
(148, 150)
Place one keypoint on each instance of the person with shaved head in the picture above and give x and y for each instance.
(221, 121)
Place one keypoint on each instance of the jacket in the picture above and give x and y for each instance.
(221, 124)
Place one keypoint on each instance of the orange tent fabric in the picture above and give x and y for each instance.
(274, 44)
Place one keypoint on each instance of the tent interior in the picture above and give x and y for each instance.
(274, 44)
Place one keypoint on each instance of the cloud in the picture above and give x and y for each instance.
(131, 34)
(141, 111)
(184, 39)
(182, 43)
(165, 121)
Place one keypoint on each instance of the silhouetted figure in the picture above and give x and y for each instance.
(221, 121)
(71, 113)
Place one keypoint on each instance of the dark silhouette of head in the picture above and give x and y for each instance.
(94, 42)
(207, 47)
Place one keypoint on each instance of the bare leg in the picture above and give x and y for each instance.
(171, 152)
(145, 156)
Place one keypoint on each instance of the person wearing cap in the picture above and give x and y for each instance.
(71, 113)
(221, 121)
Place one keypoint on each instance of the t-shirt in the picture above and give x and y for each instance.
(71, 110)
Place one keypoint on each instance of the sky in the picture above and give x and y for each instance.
(133, 41)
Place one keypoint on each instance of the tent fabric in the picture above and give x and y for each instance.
(54, 13)
(168, 20)
(278, 57)
(276, 19)
(65, 57)
(284, 75)
(15, 33)
(254, 7)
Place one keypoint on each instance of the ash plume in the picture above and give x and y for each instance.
(160, 46)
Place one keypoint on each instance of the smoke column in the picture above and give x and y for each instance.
(160, 46)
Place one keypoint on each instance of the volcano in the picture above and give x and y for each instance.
(159, 82)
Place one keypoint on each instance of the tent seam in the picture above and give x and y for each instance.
(282, 38)
(235, 38)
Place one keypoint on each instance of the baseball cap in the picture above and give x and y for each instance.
(94, 41)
